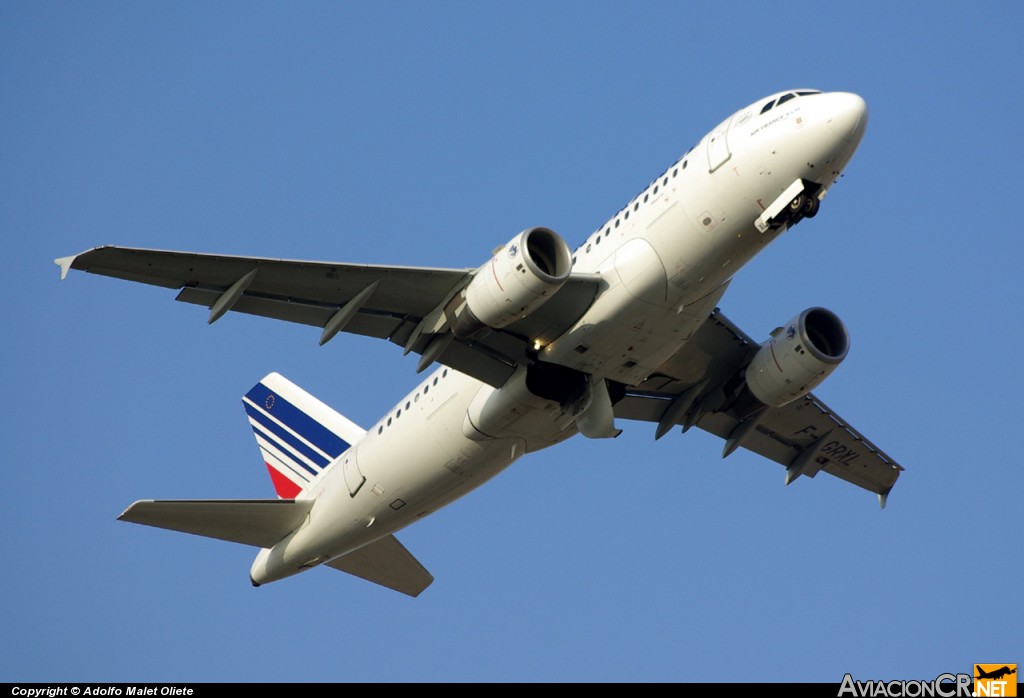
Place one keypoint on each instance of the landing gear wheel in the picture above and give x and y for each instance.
(795, 210)
(811, 206)
(797, 204)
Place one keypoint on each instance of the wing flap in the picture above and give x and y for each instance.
(258, 522)
(783, 434)
(388, 563)
(380, 326)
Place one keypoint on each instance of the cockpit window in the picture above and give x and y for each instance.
(786, 97)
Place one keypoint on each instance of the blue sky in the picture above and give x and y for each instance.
(427, 134)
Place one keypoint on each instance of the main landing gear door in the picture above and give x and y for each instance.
(354, 479)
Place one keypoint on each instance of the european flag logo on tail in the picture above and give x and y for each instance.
(298, 435)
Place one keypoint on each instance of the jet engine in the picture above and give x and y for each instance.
(520, 277)
(798, 357)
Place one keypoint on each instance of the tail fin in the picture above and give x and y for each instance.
(298, 435)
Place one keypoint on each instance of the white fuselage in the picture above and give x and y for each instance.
(665, 260)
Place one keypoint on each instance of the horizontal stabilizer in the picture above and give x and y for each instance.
(388, 563)
(258, 522)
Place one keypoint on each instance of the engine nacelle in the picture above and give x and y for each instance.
(520, 277)
(798, 357)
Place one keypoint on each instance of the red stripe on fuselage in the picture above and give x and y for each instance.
(772, 347)
(285, 488)
(494, 270)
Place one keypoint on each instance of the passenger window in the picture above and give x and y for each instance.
(645, 198)
(655, 190)
(675, 172)
(684, 163)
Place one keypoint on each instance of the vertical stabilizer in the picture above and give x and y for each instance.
(298, 436)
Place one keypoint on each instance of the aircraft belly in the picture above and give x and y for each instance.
(658, 286)
(419, 463)
(623, 338)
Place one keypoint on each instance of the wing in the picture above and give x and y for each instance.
(388, 563)
(806, 435)
(258, 522)
(405, 305)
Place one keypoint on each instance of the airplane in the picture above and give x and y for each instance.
(995, 674)
(537, 344)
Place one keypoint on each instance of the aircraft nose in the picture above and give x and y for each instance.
(848, 116)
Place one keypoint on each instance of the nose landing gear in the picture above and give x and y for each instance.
(800, 200)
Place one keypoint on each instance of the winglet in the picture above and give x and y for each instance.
(883, 497)
(65, 265)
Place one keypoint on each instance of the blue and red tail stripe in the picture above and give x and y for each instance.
(298, 436)
(287, 413)
(289, 440)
